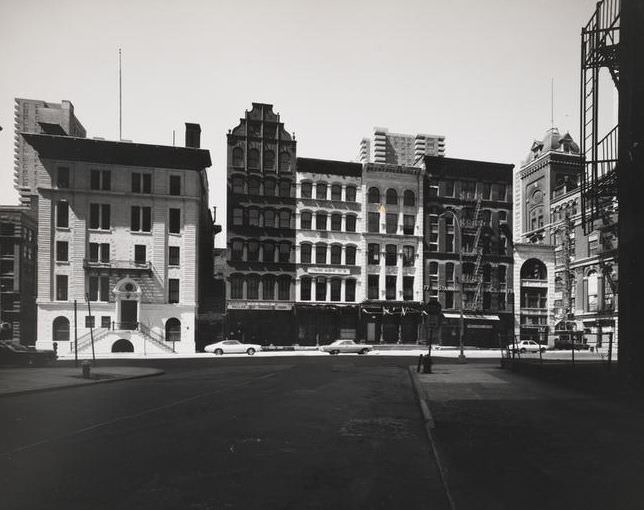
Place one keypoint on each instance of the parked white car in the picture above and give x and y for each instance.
(527, 346)
(232, 347)
(344, 346)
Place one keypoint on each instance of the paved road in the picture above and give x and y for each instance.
(336, 432)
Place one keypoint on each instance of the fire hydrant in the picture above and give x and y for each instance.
(85, 365)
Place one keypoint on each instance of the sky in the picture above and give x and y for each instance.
(478, 72)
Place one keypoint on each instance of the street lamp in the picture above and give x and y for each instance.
(461, 356)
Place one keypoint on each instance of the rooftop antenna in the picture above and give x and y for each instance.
(120, 101)
(552, 104)
(173, 133)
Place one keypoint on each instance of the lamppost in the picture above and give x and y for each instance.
(457, 222)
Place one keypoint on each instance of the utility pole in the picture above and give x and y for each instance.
(75, 334)
(91, 329)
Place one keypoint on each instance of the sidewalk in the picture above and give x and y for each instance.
(28, 380)
(506, 440)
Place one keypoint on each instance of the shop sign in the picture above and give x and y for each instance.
(329, 270)
(480, 326)
(265, 305)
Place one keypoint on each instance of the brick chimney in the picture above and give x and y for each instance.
(193, 135)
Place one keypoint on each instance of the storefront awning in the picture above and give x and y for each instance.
(471, 316)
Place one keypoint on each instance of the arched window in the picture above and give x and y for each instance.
(320, 221)
(373, 197)
(306, 189)
(236, 286)
(392, 197)
(336, 254)
(252, 287)
(285, 189)
(350, 255)
(336, 192)
(268, 251)
(533, 269)
(252, 255)
(173, 330)
(61, 329)
(269, 218)
(305, 288)
(268, 287)
(350, 223)
(253, 158)
(350, 193)
(269, 161)
(320, 253)
(284, 251)
(238, 156)
(336, 289)
(449, 272)
(320, 191)
(285, 162)
(306, 220)
(305, 253)
(285, 219)
(253, 186)
(592, 286)
(269, 187)
(336, 222)
(238, 184)
(284, 288)
(253, 217)
(236, 249)
(409, 198)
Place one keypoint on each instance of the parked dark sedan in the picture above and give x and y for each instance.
(15, 354)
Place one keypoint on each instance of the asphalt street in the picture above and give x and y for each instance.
(326, 432)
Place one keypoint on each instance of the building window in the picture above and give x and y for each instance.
(142, 183)
(487, 301)
(336, 222)
(285, 189)
(350, 223)
(285, 219)
(284, 288)
(238, 156)
(253, 159)
(449, 242)
(392, 197)
(336, 254)
(269, 218)
(174, 223)
(390, 287)
(390, 255)
(173, 330)
(60, 329)
(269, 187)
(236, 250)
(252, 255)
(468, 189)
(593, 246)
(252, 287)
(99, 288)
(306, 190)
(320, 288)
(139, 254)
(449, 299)
(236, 287)
(61, 287)
(269, 161)
(62, 251)
(238, 216)
(174, 258)
(350, 193)
(269, 251)
(373, 284)
(305, 253)
(62, 177)
(62, 214)
(592, 290)
(253, 217)
(305, 220)
(141, 219)
(433, 279)
(284, 254)
(173, 290)
(373, 254)
(336, 289)
(350, 255)
(320, 221)
(268, 288)
(501, 272)
(409, 256)
(391, 223)
(373, 222)
(449, 272)
(350, 290)
(106, 321)
(449, 188)
(487, 191)
(336, 192)
(99, 252)
(320, 254)
(409, 224)
(432, 191)
(100, 180)
(409, 198)
(305, 289)
(285, 162)
(498, 192)
(487, 273)
(373, 197)
(408, 288)
(320, 191)
(99, 216)
(253, 186)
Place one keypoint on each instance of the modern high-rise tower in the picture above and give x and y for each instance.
(399, 149)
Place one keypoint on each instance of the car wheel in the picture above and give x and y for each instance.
(542, 350)
(363, 351)
(334, 352)
(250, 351)
(218, 352)
(522, 350)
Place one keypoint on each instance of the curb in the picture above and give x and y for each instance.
(429, 425)
(80, 385)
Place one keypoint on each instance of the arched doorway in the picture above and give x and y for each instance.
(122, 345)
(534, 300)
(173, 330)
(61, 329)
(128, 297)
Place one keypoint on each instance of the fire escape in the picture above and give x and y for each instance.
(599, 49)
(473, 227)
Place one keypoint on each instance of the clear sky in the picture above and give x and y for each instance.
(477, 71)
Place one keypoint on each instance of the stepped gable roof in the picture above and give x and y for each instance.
(117, 153)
